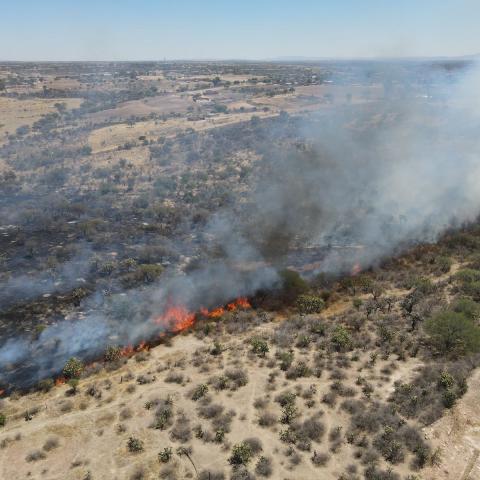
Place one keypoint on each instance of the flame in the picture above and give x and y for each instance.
(176, 318)
(60, 381)
(216, 312)
(2, 391)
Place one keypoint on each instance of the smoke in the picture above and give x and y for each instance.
(381, 175)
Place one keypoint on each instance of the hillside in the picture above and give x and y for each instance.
(364, 376)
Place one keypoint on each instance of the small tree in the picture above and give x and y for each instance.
(73, 384)
(310, 304)
(452, 333)
(259, 346)
(73, 368)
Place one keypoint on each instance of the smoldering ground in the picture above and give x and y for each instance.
(394, 172)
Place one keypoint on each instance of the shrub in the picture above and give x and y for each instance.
(264, 467)
(286, 359)
(181, 431)
(112, 353)
(453, 333)
(341, 339)
(3, 419)
(389, 446)
(46, 385)
(267, 419)
(51, 444)
(134, 445)
(35, 456)
(259, 346)
(308, 304)
(199, 392)
(320, 459)
(468, 307)
(241, 454)
(73, 368)
(165, 455)
(255, 445)
(449, 398)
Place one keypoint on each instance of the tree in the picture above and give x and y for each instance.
(310, 304)
(453, 333)
(259, 346)
(73, 368)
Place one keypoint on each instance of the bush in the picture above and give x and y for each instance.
(308, 304)
(286, 359)
(241, 454)
(199, 392)
(134, 445)
(264, 467)
(453, 333)
(259, 346)
(320, 459)
(3, 419)
(341, 339)
(165, 455)
(73, 368)
(112, 353)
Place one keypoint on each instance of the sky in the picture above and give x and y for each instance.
(241, 29)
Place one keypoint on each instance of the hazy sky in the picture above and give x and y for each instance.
(254, 29)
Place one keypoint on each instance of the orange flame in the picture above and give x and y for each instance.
(60, 381)
(176, 318)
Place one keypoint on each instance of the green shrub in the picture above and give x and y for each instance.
(468, 307)
(308, 304)
(3, 419)
(259, 346)
(286, 359)
(165, 455)
(73, 368)
(46, 385)
(452, 333)
(449, 398)
(134, 445)
(199, 392)
(241, 454)
(341, 339)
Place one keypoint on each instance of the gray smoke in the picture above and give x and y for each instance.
(401, 170)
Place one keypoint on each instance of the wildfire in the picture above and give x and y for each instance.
(178, 318)
(175, 319)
